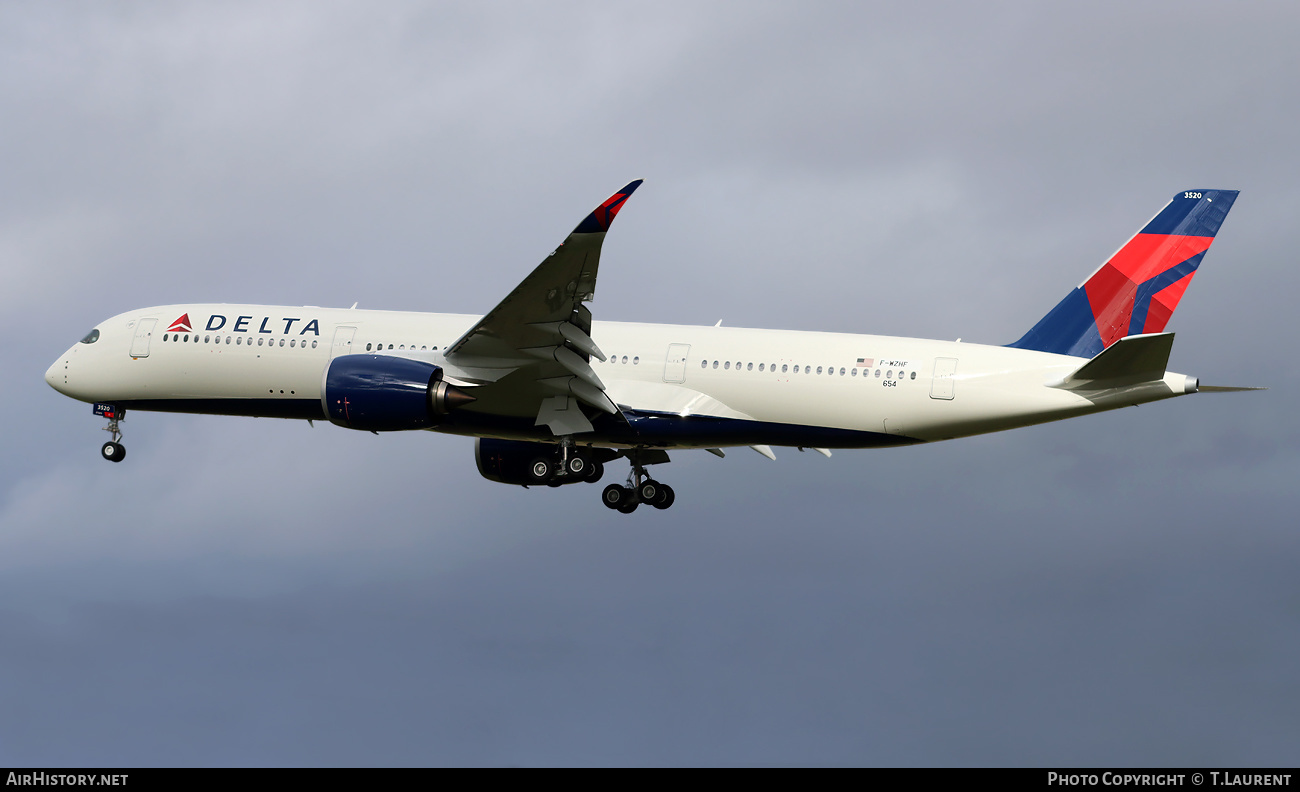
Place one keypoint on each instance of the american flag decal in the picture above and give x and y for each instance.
(866, 362)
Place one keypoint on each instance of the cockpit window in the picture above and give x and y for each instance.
(91, 337)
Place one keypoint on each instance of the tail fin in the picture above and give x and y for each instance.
(1137, 290)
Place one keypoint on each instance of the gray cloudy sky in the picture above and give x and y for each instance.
(1118, 589)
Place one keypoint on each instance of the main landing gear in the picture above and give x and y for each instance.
(640, 489)
(569, 466)
(113, 450)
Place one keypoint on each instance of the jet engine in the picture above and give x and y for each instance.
(382, 393)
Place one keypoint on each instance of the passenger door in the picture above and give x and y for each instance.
(143, 332)
(342, 341)
(675, 362)
(942, 386)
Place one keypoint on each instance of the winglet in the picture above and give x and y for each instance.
(600, 219)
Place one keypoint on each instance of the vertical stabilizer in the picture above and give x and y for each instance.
(1137, 290)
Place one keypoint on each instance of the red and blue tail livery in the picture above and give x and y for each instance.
(1137, 290)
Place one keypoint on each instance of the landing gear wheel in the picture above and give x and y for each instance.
(113, 452)
(666, 497)
(649, 491)
(629, 508)
(540, 470)
(577, 466)
(616, 496)
(595, 471)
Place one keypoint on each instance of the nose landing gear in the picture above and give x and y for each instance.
(113, 451)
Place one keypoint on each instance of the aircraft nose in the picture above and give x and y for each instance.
(55, 375)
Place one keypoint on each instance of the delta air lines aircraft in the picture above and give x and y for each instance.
(553, 396)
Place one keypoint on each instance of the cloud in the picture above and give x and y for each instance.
(1115, 589)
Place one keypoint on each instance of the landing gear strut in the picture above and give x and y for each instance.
(640, 488)
(567, 466)
(113, 450)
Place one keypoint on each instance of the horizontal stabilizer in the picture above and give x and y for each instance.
(1139, 358)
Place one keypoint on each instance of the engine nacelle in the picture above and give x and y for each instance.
(382, 393)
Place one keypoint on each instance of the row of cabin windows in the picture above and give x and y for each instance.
(239, 340)
(786, 369)
(380, 347)
(616, 359)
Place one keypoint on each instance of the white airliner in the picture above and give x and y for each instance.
(553, 396)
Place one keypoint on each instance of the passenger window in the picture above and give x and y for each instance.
(227, 340)
(636, 360)
(205, 338)
(889, 374)
(877, 373)
(313, 344)
(783, 367)
(819, 369)
(853, 372)
(704, 364)
(390, 346)
(726, 365)
(281, 342)
(913, 375)
(715, 364)
(293, 342)
(625, 358)
(749, 367)
(760, 366)
(368, 347)
(259, 341)
(841, 371)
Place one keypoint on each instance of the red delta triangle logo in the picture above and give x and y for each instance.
(181, 325)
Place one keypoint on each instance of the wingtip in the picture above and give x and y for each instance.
(600, 220)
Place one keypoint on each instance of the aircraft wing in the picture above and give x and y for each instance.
(530, 354)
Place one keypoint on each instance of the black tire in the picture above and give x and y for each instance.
(113, 452)
(629, 507)
(649, 491)
(577, 466)
(615, 496)
(666, 497)
(540, 470)
(595, 472)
